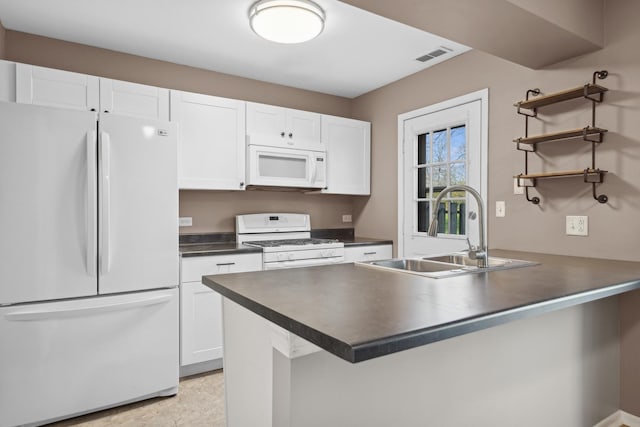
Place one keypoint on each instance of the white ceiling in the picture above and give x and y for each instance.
(357, 52)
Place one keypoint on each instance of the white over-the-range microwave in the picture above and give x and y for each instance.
(286, 167)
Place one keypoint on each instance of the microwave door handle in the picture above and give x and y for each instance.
(314, 168)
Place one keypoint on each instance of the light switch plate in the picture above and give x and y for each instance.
(185, 221)
(577, 225)
(500, 209)
(516, 188)
(346, 218)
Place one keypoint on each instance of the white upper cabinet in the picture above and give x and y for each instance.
(348, 144)
(56, 88)
(65, 89)
(211, 141)
(134, 100)
(283, 127)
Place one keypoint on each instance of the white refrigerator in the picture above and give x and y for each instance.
(88, 262)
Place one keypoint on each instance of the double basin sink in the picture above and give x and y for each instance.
(448, 265)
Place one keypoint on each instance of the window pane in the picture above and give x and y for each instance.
(439, 146)
(422, 183)
(458, 174)
(438, 179)
(423, 216)
(424, 150)
(458, 143)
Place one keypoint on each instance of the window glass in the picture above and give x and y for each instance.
(441, 162)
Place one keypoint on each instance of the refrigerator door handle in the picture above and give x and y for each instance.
(60, 313)
(105, 203)
(92, 203)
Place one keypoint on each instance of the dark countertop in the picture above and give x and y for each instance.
(207, 249)
(359, 313)
(364, 241)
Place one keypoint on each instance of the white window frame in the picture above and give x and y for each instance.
(481, 95)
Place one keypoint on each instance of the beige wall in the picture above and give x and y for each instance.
(210, 210)
(217, 211)
(614, 228)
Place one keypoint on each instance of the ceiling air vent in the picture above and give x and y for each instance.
(433, 54)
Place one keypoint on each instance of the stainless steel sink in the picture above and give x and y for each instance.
(493, 263)
(448, 265)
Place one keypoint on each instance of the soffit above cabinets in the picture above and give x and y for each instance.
(357, 52)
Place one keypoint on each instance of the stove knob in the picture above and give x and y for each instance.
(329, 253)
(291, 256)
(282, 257)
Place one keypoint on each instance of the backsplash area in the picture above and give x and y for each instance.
(215, 211)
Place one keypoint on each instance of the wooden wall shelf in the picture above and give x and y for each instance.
(565, 95)
(593, 134)
(566, 134)
(563, 174)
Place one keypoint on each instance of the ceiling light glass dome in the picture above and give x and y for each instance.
(286, 21)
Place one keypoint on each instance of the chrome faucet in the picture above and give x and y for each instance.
(480, 252)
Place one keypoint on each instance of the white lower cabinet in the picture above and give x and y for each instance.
(201, 309)
(368, 253)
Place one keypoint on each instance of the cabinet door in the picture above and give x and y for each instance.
(348, 144)
(201, 324)
(211, 141)
(56, 88)
(283, 127)
(135, 100)
(303, 128)
(7, 81)
(201, 309)
(367, 253)
(267, 125)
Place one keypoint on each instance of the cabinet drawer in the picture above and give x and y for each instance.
(193, 268)
(367, 253)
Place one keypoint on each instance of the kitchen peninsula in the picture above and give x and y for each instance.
(351, 345)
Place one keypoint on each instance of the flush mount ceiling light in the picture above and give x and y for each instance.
(286, 21)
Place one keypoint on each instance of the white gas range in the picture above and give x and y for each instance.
(285, 239)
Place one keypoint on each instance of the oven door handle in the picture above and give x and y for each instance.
(302, 263)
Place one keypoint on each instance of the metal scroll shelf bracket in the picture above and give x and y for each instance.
(592, 134)
(603, 198)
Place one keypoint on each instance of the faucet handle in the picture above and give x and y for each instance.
(471, 247)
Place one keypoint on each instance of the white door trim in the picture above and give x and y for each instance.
(481, 95)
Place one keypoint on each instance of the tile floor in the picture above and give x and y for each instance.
(199, 402)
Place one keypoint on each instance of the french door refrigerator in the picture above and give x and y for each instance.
(88, 262)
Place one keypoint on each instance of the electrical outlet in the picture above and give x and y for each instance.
(500, 209)
(346, 218)
(185, 221)
(517, 189)
(577, 225)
